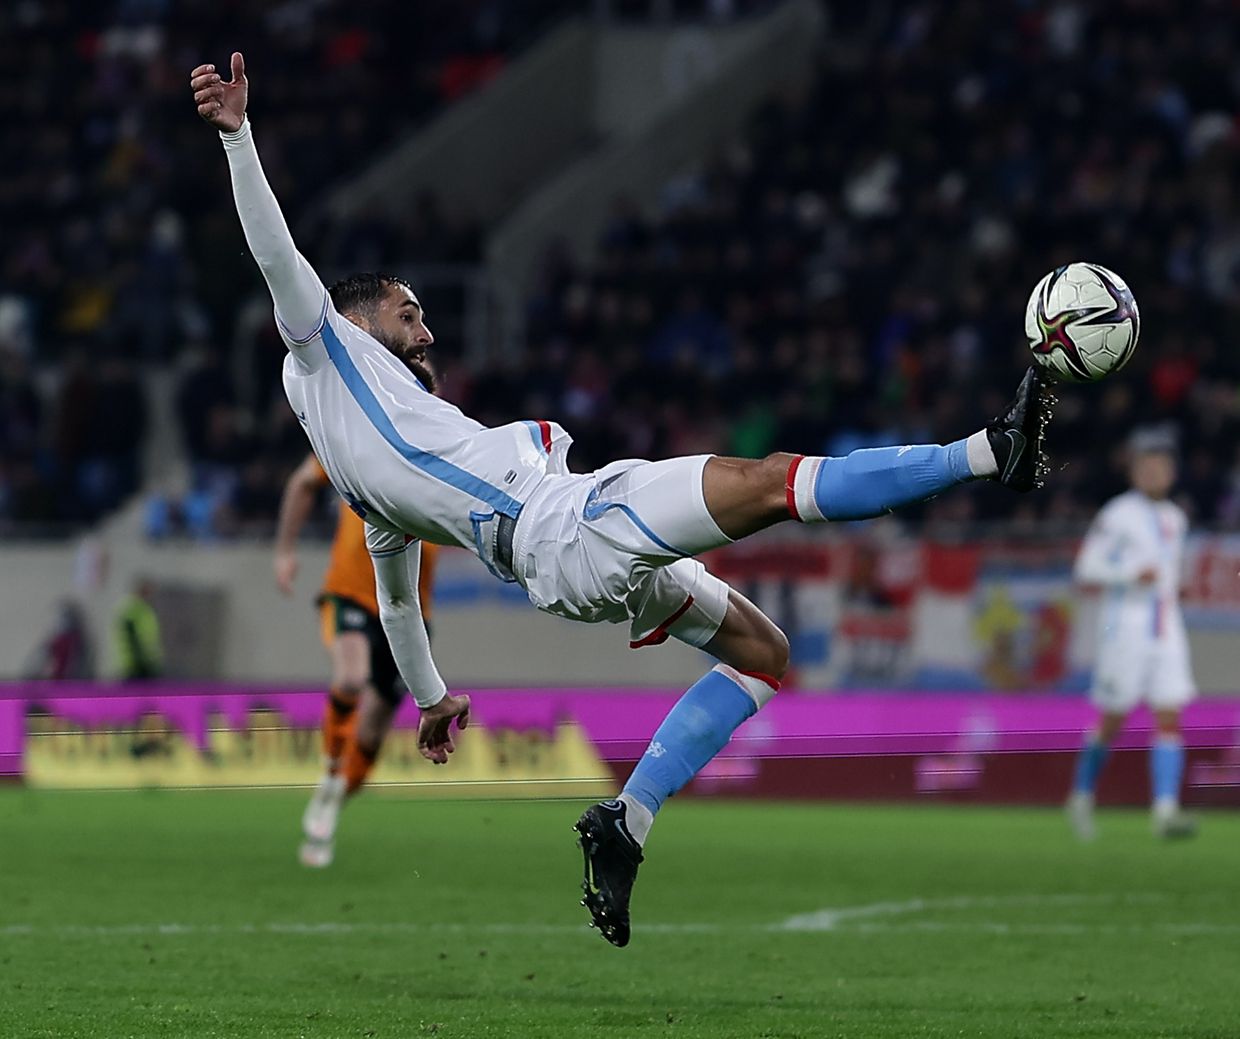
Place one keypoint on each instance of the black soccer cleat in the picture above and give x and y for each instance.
(1018, 436)
(611, 860)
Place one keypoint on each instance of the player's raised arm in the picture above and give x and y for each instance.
(396, 586)
(300, 298)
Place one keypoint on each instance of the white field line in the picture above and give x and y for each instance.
(832, 919)
(874, 918)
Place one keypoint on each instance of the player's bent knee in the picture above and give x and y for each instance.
(773, 479)
(350, 687)
(781, 654)
(749, 641)
(768, 654)
(768, 644)
(761, 479)
(763, 653)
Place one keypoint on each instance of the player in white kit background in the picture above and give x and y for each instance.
(614, 545)
(1133, 555)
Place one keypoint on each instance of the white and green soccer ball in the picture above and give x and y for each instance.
(1082, 322)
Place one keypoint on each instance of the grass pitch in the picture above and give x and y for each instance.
(186, 914)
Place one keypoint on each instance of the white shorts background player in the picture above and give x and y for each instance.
(1133, 554)
(614, 545)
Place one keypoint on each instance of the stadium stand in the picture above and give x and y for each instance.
(110, 263)
(863, 290)
(867, 289)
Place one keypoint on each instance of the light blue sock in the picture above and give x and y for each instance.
(874, 481)
(1166, 767)
(1089, 764)
(694, 731)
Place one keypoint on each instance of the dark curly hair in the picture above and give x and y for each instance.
(361, 293)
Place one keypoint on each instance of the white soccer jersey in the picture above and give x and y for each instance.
(1131, 534)
(1142, 640)
(405, 460)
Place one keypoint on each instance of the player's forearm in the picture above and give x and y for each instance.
(396, 585)
(411, 649)
(298, 293)
(1097, 565)
(266, 232)
(295, 508)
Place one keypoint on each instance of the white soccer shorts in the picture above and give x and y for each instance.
(1129, 673)
(616, 545)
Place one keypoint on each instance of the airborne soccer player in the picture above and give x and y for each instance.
(614, 545)
(1133, 553)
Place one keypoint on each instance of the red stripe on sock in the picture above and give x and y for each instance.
(790, 487)
(544, 427)
(768, 679)
(659, 635)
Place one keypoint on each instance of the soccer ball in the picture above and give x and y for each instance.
(1082, 322)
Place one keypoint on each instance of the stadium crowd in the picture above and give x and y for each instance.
(853, 271)
(111, 261)
(849, 271)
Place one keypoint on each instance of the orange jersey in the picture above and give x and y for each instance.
(350, 573)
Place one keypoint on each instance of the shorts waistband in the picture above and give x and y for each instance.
(505, 530)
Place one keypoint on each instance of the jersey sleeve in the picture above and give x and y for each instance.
(1110, 554)
(380, 543)
(302, 304)
(396, 559)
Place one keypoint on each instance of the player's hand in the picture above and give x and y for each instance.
(285, 566)
(434, 730)
(221, 104)
(1147, 576)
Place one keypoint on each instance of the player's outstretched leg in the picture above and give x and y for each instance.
(875, 481)
(746, 496)
(1166, 772)
(612, 833)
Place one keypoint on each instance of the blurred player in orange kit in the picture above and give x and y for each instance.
(366, 688)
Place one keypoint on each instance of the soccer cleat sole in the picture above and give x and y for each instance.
(592, 899)
(1047, 400)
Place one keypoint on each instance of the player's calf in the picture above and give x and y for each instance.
(754, 655)
(1167, 758)
(339, 717)
(612, 833)
(749, 641)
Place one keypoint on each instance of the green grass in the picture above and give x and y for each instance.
(460, 920)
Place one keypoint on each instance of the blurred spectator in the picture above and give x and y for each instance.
(139, 649)
(68, 650)
(205, 391)
(107, 247)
